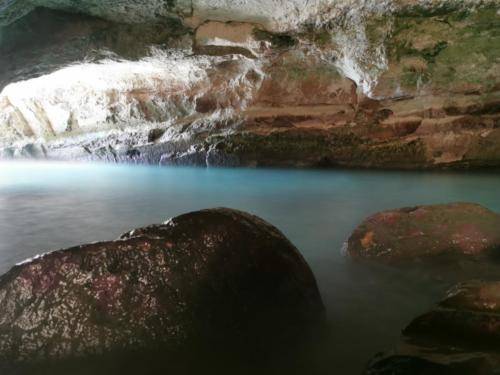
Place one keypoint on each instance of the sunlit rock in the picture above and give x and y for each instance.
(47, 40)
(220, 38)
(115, 10)
(89, 98)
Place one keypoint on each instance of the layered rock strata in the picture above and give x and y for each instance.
(393, 84)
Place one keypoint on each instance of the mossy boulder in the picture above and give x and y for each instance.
(427, 231)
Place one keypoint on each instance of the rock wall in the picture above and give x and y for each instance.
(392, 84)
(275, 15)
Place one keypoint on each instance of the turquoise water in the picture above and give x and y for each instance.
(47, 206)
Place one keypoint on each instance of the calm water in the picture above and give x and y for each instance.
(50, 206)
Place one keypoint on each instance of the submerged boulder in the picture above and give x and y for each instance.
(210, 277)
(406, 365)
(414, 365)
(426, 231)
(469, 314)
(461, 335)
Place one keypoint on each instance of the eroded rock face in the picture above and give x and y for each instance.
(223, 38)
(163, 90)
(115, 10)
(46, 40)
(427, 231)
(213, 276)
(393, 84)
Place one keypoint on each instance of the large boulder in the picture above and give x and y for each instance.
(213, 277)
(426, 231)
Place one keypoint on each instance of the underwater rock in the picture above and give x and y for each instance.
(470, 315)
(426, 231)
(215, 277)
(460, 336)
(406, 365)
(413, 365)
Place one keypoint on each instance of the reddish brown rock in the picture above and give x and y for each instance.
(297, 80)
(210, 276)
(420, 232)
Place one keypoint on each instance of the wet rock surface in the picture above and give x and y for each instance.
(412, 365)
(469, 315)
(458, 336)
(413, 233)
(211, 278)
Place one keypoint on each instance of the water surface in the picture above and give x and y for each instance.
(46, 206)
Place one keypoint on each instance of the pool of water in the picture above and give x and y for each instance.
(45, 206)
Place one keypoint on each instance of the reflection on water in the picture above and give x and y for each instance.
(49, 206)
